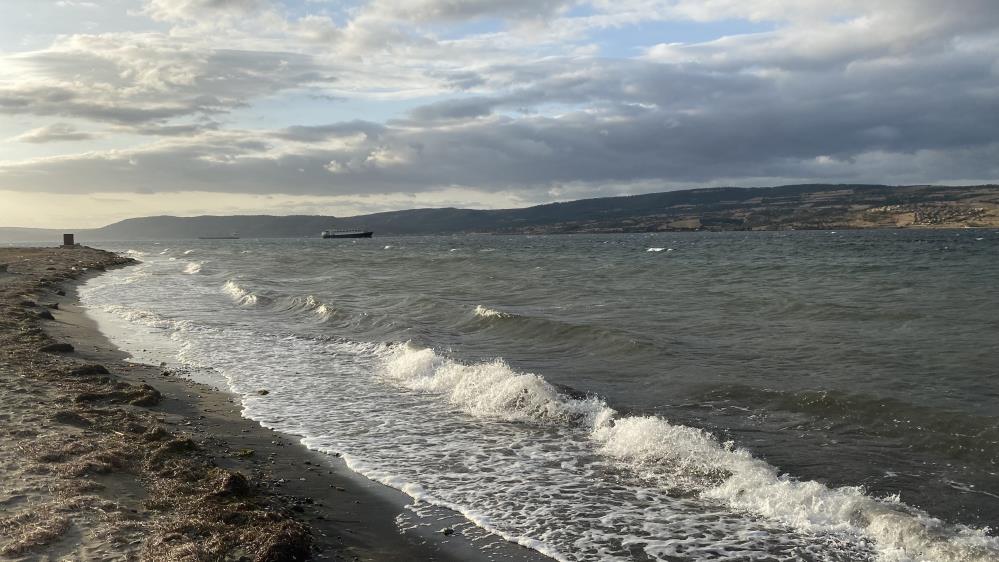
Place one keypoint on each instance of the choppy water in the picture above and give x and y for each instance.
(702, 396)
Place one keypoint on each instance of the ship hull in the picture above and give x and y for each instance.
(349, 235)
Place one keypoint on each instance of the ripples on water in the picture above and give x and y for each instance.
(729, 396)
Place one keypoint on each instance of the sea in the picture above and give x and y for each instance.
(819, 395)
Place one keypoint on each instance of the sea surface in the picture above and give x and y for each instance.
(671, 396)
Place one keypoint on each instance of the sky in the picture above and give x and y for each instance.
(118, 108)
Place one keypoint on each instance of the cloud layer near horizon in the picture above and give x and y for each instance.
(534, 100)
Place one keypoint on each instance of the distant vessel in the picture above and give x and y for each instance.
(347, 233)
(233, 236)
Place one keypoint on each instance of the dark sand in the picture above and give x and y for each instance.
(98, 466)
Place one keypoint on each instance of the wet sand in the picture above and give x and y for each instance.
(139, 463)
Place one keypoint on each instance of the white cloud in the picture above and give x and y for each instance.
(54, 133)
(202, 9)
(507, 97)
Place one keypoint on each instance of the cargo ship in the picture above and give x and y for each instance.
(346, 233)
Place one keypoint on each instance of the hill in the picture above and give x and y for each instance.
(798, 207)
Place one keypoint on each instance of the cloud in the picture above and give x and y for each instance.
(201, 9)
(452, 10)
(511, 97)
(134, 79)
(54, 133)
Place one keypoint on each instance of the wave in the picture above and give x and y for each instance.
(659, 250)
(687, 460)
(970, 438)
(193, 268)
(188, 252)
(311, 304)
(139, 316)
(308, 303)
(239, 294)
(484, 312)
(561, 333)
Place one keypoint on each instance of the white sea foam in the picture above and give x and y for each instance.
(655, 249)
(485, 312)
(193, 267)
(188, 252)
(569, 477)
(134, 253)
(145, 317)
(316, 306)
(239, 294)
(685, 459)
(486, 389)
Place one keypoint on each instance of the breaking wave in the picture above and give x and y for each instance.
(484, 312)
(239, 294)
(311, 304)
(193, 268)
(687, 460)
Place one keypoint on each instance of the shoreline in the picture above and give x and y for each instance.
(308, 495)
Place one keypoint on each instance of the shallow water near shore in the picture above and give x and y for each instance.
(702, 396)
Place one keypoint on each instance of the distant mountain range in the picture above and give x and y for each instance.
(798, 207)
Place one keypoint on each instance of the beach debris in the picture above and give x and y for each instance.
(57, 348)
(156, 434)
(232, 484)
(173, 447)
(447, 531)
(143, 395)
(87, 370)
(186, 503)
(70, 417)
(148, 396)
(32, 529)
(246, 452)
(290, 541)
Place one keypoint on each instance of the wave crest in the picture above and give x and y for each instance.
(484, 312)
(313, 304)
(239, 294)
(688, 460)
(490, 389)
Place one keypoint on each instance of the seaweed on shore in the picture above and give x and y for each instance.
(93, 461)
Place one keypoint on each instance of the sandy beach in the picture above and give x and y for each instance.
(102, 458)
